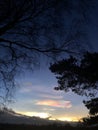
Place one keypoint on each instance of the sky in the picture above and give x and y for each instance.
(35, 95)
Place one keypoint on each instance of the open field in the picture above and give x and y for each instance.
(43, 127)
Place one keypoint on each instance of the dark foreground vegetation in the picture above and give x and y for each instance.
(43, 127)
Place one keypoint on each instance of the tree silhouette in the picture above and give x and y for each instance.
(29, 29)
(92, 105)
(80, 76)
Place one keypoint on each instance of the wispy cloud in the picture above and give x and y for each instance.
(51, 95)
(42, 92)
(29, 87)
(48, 109)
(54, 103)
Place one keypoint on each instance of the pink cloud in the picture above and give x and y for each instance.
(53, 103)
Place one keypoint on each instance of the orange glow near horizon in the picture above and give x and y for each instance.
(68, 119)
(37, 114)
(46, 115)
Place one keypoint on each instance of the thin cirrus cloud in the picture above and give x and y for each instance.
(54, 103)
(41, 91)
(29, 87)
(51, 96)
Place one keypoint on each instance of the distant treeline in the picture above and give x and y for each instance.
(43, 127)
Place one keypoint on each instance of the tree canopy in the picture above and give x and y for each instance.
(30, 28)
(80, 76)
(92, 105)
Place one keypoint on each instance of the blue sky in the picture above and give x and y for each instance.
(36, 95)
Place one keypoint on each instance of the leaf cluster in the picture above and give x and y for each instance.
(78, 75)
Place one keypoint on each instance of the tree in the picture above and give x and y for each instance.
(32, 28)
(80, 76)
(92, 105)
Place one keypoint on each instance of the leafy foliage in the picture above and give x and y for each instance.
(91, 120)
(92, 105)
(80, 76)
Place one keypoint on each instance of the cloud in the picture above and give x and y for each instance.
(42, 92)
(29, 87)
(48, 109)
(54, 103)
(51, 96)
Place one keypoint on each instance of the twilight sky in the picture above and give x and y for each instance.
(36, 96)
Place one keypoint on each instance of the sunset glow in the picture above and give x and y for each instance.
(38, 98)
(37, 114)
(68, 119)
(65, 119)
(46, 115)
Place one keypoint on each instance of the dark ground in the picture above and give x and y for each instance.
(50, 127)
